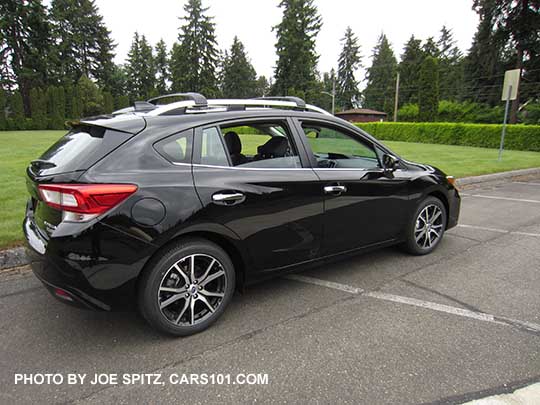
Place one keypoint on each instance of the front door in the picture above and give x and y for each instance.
(250, 178)
(363, 207)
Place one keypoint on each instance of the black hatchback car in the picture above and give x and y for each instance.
(172, 207)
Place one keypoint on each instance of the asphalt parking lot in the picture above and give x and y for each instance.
(460, 324)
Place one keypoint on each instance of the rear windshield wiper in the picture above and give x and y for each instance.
(42, 164)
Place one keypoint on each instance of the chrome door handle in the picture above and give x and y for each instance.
(228, 198)
(335, 189)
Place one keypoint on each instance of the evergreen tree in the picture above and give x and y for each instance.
(430, 48)
(428, 90)
(38, 108)
(108, 102)
(516, 24)
(16, 110)
(90, 97)
(24, 46)
(262, 87)
(83, 44)
(348, 63)
(381, 76)
(485, 62)
(56, 107)
(239, 76)
(194, 58)
(121, 102)
(450, 67)
(409, 68)
(118, 84)
(140, 69)
(296, 69)
(162, 67)
(3, 109)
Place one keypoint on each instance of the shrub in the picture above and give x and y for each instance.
(518, 137)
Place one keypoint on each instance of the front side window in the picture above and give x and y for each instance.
(334, 148)
(260, 145)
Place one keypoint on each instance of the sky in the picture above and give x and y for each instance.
(252, 22)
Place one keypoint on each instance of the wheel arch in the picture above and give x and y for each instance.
(239, 260)
(444, 199)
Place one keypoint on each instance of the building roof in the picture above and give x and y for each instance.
(361, 111)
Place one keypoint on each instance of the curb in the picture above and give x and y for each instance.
(522, 174)
(16, 257)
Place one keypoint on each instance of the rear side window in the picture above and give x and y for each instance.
(79, 149)
(213, 152)
(176, 148)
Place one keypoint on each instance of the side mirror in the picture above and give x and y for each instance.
(390, 162)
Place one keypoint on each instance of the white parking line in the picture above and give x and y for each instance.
(525, 395)
(324, 283)
(484, 228)
(524, 182)
(481, 316)
(501, 198)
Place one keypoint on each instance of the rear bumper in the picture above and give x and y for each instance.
(88, 271)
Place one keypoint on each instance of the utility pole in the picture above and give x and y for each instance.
(333, 94)
(396, 98)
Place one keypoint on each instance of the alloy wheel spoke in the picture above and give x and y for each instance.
(179, 270)
(171, 300)
(203, 299)
(212, 277)
(420, 235)
(437, 215)
(192, 310)
(207, 293)
(183, 311)
(192, 265)
(208, 269)
(172, 290)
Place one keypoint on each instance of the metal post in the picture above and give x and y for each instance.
(333, 94)
(396, 98)
(504, 122)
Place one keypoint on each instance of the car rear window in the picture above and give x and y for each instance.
(79, 150)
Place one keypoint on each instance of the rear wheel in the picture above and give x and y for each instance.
(187, 287)
(427, 227)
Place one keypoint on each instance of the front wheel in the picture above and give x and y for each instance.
(427, 227)
(187, 287)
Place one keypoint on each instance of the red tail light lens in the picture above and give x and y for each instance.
(85, 198)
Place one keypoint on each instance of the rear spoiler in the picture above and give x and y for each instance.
(130, 123)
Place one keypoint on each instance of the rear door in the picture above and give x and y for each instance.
(270, 199)
(363, 206)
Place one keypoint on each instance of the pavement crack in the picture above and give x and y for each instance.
(448, 297)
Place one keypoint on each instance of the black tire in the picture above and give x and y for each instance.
(168, 270)
(424, 246)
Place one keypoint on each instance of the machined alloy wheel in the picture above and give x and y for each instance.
(192, 289)
(186, 286)
(426, 226)
(429, 226)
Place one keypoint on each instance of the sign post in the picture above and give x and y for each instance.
(509, 92)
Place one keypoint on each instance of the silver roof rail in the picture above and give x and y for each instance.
(199, 99)
(181, 107)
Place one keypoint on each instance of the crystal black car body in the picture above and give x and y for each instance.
(241, 218)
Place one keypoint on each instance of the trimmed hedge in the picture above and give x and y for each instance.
(518, 137)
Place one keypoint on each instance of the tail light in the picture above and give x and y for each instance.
(82, 202)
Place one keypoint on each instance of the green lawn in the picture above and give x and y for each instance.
(18, 148)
